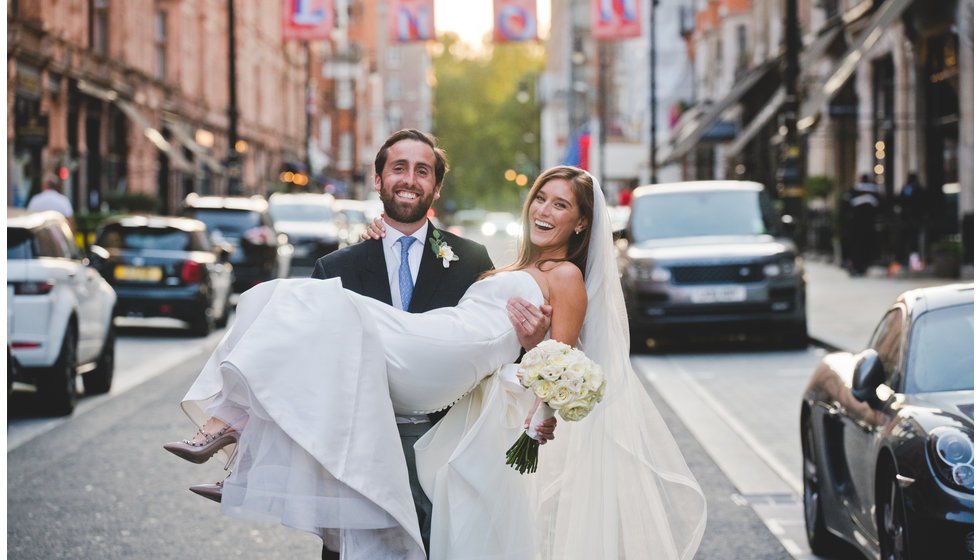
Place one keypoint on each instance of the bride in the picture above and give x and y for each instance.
(307, 382)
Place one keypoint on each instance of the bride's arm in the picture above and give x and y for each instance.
(568, 302)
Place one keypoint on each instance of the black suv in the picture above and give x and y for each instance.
(260, 252)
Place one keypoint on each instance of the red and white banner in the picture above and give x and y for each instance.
(616, 19)
(515, 20)
(411, 20)
(306, 20)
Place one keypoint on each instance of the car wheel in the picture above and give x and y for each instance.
(99, 380)
(203, 324)
(57, 383)
(893, 537)
(821, 540)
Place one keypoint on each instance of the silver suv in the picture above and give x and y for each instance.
(705, 256)
(60, 311)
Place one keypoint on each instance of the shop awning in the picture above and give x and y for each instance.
(689, 135)
(180, 130)
(811, 55)
(155, 137)
(133, 114)
(884, 17)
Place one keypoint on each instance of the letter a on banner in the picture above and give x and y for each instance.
(515, 20)
(411, 20)
(306, 20)
(616, 19)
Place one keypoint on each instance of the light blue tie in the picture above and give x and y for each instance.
(405, 284)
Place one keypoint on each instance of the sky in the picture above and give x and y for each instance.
(472, 19)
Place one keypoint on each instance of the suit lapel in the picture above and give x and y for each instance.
(373, 273)
(431, 276)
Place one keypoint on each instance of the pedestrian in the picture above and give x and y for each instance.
(862, 209)
(51, 198)
(912, 215)
(319, 372)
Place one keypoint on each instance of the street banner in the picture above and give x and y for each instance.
(616, 19)
(515, 20)
(306, 20)
(411, 20)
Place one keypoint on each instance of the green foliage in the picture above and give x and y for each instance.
(481, 123)
(133, 202)
(817, 186)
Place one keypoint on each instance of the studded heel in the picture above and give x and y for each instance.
(199, 452)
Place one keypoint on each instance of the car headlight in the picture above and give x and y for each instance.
(488, 229)
(513, 229)
(650, 271)
(951, 454)
(786, 265)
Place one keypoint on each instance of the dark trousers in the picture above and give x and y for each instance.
(410, 433)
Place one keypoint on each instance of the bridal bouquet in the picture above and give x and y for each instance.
(567, 381)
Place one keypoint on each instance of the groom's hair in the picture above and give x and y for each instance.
(442, 166)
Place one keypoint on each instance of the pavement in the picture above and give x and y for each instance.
(843, 310)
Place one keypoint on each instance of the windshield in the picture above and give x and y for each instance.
(161, 238)
(697, 214)
(941, 351)
(19, 244)
(231, 223)
(300, 213)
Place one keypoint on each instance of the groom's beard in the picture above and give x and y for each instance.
(403, 211)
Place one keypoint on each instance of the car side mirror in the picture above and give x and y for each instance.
(223, 250)
(97, 255)
(869, 372)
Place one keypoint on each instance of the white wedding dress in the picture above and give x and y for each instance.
(321, 372)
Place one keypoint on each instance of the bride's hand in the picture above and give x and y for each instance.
(531, 323)
(375, 229)
(546, 428)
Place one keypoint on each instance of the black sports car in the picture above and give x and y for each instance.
(888, 435)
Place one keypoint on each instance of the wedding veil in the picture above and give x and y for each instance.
(615, 485)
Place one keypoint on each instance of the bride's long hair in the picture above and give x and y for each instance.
(578, 244)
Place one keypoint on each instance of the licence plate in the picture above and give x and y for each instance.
(139, 273)
(718, 294)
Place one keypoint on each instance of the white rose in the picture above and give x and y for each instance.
(579, 368)
(544, 389)
(560, 397)
(575, 410)
(534, 358)
(574, 384)
(550, 372)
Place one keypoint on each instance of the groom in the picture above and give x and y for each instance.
(404, 269)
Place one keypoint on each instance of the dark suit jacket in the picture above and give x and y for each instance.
(361, 268)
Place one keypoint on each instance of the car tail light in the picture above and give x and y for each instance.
(190, 272)
(261, 235)
(32, 288)
(15, 344)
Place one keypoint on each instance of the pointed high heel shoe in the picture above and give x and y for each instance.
(209, 491)
(201, 452)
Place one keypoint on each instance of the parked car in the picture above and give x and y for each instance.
(310, 223)
(60, 324)
(163, 266)
(354, 221)
(704, 256)
(260, 252)
(887, 434)
(500, 223)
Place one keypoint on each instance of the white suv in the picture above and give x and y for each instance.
(61, 319)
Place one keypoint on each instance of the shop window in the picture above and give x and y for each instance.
(160, 44)
(99, 26)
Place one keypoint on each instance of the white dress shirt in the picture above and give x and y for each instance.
(393, 260)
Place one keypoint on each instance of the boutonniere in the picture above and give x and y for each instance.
(442, 249)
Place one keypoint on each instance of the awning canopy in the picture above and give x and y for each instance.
(184, 137)
(134, 115)
(693, 131)
(884, 17)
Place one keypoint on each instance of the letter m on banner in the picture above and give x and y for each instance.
(515, 20)
(411, 20)
(616, 19)
(306, 20)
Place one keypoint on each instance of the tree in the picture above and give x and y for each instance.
(481, 121)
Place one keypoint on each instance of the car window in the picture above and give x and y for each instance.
(160, 238)
(300, 213)
(20, 244)
(356, 216)
(941, 351)
(697, 214)
(888, 341)
(231, 223)
(51, 243)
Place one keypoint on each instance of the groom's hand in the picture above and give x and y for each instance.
(531, 323)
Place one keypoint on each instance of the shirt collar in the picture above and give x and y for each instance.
(390, 240)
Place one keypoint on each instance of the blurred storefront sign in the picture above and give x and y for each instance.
(616, 19)
(307, 20)
(515, 20)
(411, 20)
